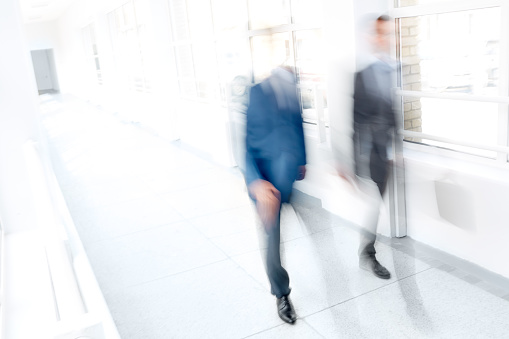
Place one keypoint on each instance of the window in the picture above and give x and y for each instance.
(453, 78)
(194, 45)
(130, 44)
(268, 13)
(292, 35)
(222, 44)
(91, 51)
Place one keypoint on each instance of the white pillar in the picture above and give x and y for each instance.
(18, 120)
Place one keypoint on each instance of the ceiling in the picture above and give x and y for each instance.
(34, 11)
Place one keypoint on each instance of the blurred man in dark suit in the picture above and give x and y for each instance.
(374, 127)
(374, 123)
(275, 158)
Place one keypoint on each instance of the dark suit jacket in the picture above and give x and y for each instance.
(374, 122)
(274, 140)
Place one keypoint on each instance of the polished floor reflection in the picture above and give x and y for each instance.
(173, 242)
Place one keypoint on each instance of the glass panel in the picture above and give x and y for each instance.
(206, 89)
(310, 56)
(187, 88)
(184, 58)
(268, 13)
(142, 12)
(129, 14)
(452, 52)
(205, 67)
(466, 121)
(229, 16)
(270, 51)
(179, 19)
(307, 11)
(234, 59)
(200, 20)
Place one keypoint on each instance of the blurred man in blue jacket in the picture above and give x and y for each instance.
(275, 158)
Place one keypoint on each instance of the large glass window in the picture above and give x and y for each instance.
(297, 42)
(194, 45)
(452, 52)
(309, 50)
(270, 50)
(222, 45)
(451, 79)
(268, 13)
(229, 16)
(307, 12)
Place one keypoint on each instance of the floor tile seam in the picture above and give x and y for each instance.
(232, 259)
(178, 273)
(368, 292)
(314, 329)
(309, 235)
(492, 289)
(357, 229)
(209, 213)
(142, 197)
(259, 283)
(426, 251)
(281, 325)
(215, 237)
(207, 239)
(134, 232)
(220, 211)
(178, 190)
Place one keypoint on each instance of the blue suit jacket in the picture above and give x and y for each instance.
(274, 140)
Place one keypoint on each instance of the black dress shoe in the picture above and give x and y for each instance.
(372, 265)
(285, 309)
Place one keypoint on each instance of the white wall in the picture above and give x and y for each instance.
(460, 208)
(42, 35)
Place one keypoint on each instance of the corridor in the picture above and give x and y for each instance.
(173, 242)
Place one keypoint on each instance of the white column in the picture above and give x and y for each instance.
(18, 123)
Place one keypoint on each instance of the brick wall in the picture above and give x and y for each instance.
(411, 72)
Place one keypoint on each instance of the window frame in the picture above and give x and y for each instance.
(89, 38)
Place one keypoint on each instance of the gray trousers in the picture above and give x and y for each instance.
(371, 142)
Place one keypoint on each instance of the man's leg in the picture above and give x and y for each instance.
(278, 277)
(367, 251)
(281, 173)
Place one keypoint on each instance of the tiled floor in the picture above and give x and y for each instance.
(175, 247)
